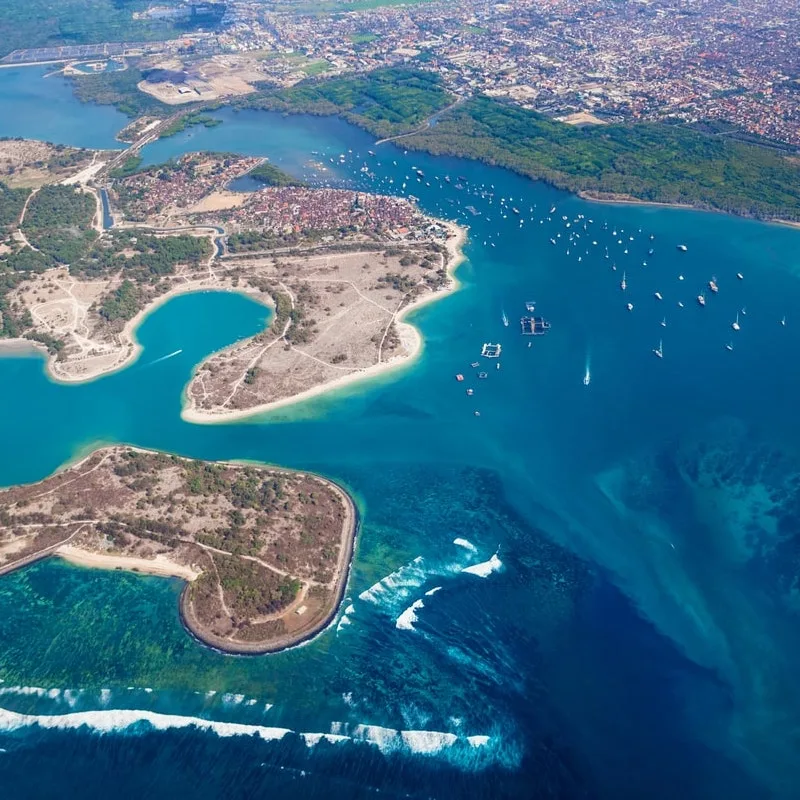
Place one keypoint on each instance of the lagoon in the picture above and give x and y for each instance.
(639, 638)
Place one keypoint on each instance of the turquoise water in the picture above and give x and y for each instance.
(639, 638)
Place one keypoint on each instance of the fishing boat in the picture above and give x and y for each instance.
(659, 351)
(623, 284)
(735, 325)
(712, 284)
(701, 299)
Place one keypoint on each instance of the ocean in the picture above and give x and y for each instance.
(588, 591)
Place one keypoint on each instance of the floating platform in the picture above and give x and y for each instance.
(490, 350)
(534, 326)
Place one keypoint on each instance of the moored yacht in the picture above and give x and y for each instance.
(712, 284)
(701, 299)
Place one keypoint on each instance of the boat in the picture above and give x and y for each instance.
(470, 392)
(701, 299)
(459, 377)
(587, 378)
(683, 248)
(783, 321)
(475, 364)
(490, 350)
(530, 305)
(623, 284)
(712, 284)
(371, 152)
(630, 306)
(553, 210)
(735, 325)
(659, 351)
(680, 304)
(483, 375)
(664, 322)
(658, 296)
(477, 413)
(729, 346)
(505, 319)
(740, 276)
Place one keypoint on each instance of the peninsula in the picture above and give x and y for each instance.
(265, 553)
(339, 268)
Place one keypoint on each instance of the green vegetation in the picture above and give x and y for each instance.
(365, 37)
(58, 223)
(270, 175)
(129, 167)
(43, 23)
(188, 121)
(646, 161)
(386, 102)
(118, 89)
(142, 257)
(11, 203)
(318, 67)
(121, 304)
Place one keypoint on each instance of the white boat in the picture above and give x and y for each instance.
(587, 378)
(729, 346)
(630, 306)
(664, 322)
(735, 325)
(658, 296)
(623, 284)
(505, 319)
(701, 299)
(659, 351)
(712, 284)
(740, 276)
(783, 322)
(683, 248)
(680, 305)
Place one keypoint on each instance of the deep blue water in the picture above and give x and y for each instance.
(640, 637)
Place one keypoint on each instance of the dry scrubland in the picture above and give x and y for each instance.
(265, 552)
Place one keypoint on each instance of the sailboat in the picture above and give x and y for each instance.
(659, 351)
(735, 325)
(623, 284)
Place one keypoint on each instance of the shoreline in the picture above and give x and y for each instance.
(163, 567)
(412, 336)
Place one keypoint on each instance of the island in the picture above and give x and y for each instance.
(339, 268)
(265, 552)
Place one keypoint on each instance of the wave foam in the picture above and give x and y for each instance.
(433, 591)
(387, 740)
(485, 568)
(466, 544)
(405, 622)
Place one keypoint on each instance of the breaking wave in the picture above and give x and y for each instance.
(405, 622)
(454, 747)
(486, 568)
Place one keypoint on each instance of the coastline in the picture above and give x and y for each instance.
(164, 567)
(411, 336)
(352, 523)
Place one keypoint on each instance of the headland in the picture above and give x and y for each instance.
(265, 552)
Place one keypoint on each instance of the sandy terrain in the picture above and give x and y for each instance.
(288, 373)
(359, 333)
(27, 163)
(158, 565)
(582, 118)
(218, 201)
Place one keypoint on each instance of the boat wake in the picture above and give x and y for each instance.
(164, 358)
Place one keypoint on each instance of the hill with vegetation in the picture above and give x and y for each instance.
(654, 162)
